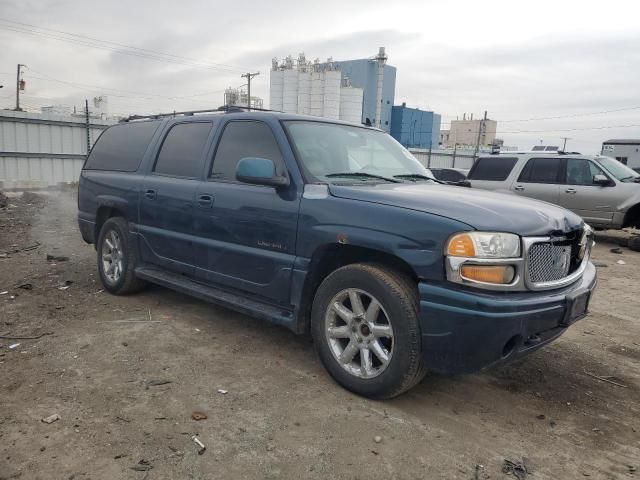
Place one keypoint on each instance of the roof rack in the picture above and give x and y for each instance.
(189, 113)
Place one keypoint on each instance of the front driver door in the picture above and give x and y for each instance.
(246, 233)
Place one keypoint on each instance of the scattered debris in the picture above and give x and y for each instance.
(200, 444)
(142, 466)
(595, 429)
(13, 346)
(56, 258)
(120, 455)
(601, 264)
(123, 419)
(63, 288)
(35, 337)
(25, 286)
(199, 416)
(4, 200)
(51, 418)
(542, 416)
(377, 439)
(617, 250)
(632, 469)
(375, 452)
(4, 292)
(621, 262)
(604, 379)
(224, 392)
(155, 383)
(517, 469)
(476, 475)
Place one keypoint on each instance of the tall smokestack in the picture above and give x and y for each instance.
(381, 59)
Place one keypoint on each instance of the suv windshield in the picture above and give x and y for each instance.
(618, 170)
(337, 153)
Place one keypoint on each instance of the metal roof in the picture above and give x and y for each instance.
(622, 141)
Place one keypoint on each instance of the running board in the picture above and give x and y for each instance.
(239, 303)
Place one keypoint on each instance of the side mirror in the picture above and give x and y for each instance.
(259, 171)
(601, 180)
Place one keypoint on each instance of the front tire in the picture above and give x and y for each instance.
(117, 258)
(366, 330)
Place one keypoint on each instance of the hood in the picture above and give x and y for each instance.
(480, 209)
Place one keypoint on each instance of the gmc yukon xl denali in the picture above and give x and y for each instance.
(334, 229)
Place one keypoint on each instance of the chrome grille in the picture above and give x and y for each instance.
(549, 261)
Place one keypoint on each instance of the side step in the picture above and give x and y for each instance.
(249, 306)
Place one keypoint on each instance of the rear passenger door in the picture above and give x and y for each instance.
(246, 233)
(167, 197)
(540, 179)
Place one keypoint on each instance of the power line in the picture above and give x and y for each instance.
(114, 47)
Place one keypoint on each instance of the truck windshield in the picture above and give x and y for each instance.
(618, 169)
(337, 153)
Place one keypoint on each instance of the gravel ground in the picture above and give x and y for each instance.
(99, 356)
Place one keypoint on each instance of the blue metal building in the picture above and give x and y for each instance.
(415, 128)
(363, 74)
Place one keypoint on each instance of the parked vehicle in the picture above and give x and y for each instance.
(450, 175)
(603, 191)
(337, 230)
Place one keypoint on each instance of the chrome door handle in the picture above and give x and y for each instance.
(519, 188)
(205, 201)
(571, 190)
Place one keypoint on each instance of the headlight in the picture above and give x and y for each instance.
(484, 245)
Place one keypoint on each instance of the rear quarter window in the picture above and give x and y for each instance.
(121, 147)
(492, 168)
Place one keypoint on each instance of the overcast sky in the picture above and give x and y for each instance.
(518, 60)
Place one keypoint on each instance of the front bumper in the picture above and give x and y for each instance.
(464, 330)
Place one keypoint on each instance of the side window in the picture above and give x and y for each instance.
(541, 170)
(492, 168)
(242, 139)
(121, 147)
(581, 172)
(181, 150)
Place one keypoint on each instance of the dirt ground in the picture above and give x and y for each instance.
(282, 415)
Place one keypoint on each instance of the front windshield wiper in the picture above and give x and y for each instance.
(361, 174)
(417, 176)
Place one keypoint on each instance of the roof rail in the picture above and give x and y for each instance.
(188, 113)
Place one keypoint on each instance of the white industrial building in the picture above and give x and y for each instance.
(238, 97)
(625, 150)
(313, 89)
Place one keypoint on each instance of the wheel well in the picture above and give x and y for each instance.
(632, 217)
(331, 257)
(104, 213)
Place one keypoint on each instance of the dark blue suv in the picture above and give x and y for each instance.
(334, 229)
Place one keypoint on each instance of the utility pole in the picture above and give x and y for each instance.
(18, 85)
(86, 123)
(564, 147)
(249, 76)
(481, 127)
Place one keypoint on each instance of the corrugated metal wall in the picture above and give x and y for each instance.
(42, 150)
(443, 158)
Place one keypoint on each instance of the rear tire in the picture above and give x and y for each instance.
(117, 258)
(366, 330)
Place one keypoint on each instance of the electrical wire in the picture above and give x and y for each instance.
(116, 47)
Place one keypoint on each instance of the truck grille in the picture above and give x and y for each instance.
(550, 261)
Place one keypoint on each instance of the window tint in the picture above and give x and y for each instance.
(181, 150)
(581, 172)
(541, 170)
(492, 168)
(244, 139)
(121, 147)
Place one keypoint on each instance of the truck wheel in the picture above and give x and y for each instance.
(117, 258)
(366, 330)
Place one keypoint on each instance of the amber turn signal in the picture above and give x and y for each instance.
(498, 274)
(461, 245)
